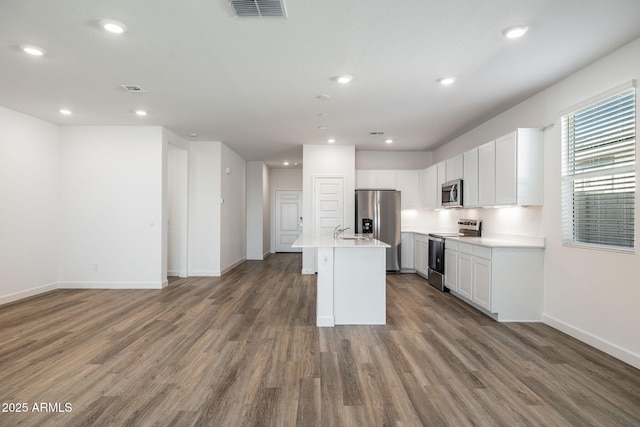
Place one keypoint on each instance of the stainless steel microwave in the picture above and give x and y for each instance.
(452, 193)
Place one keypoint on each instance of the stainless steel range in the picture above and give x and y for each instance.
(466, 228)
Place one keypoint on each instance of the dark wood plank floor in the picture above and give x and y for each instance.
(243, 350)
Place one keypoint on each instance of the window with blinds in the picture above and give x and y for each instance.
(599, 182)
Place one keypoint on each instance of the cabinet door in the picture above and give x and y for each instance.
(442, 178)
(421, 255)
(482, 282)
(470, 178)
(506, 174)
(451, 269)
(386, 180)
(465, 274)
(407, 183)
(454, 168)
(487, 174)
(365, 179)
(406, 251)
(428, 184)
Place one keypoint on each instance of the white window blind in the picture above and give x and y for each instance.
(599, 147)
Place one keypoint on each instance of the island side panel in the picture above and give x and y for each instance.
(324, 292)
(360, 286)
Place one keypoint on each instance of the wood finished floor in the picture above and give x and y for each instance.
(243, 350)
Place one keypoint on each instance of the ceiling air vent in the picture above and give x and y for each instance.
(376, 133)
(132, 88)
(258, 8)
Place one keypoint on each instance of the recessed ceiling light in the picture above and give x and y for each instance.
(515, 32)
(323, 114)
(344, 79)
(141, 112)
(388, 141)
(322, 128)
(193, 135)
(32, 50)
(331, 141)
(286, 163)
(323, 97)
(64, 111)
(446, 81)
(112, 26)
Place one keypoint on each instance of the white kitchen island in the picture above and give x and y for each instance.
(351, 283)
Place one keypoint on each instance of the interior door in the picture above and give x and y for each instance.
(288, 219)
(329, 205)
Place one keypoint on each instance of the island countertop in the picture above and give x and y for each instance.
(344, 241)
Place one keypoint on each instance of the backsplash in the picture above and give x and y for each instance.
(517, 220)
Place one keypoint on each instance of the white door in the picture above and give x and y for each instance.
(288, 219)
(328, 205)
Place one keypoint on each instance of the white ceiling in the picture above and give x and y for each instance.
(253, 83)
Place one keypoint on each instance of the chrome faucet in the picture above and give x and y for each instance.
(338, 231)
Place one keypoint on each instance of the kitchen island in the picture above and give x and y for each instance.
(351, 282)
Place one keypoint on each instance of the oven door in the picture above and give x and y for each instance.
(436, 254)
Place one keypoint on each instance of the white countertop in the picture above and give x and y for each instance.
(491, 241)
(312, 241)
(502, 242)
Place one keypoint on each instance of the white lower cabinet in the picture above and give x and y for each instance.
(482, 282)
(465, 270)
(504, 282)
(407, 262)
(451, 268)
(421, 254)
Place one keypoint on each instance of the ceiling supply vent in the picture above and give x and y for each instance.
(376, 133)
(258, 8)
(132, 88)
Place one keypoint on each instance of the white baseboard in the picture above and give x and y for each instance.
(112, 285)
(177, 273)
(325, 321)
(204, 273)
(5, 299)
(308, 271)
(610, 348)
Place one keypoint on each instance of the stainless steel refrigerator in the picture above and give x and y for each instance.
(378, 214)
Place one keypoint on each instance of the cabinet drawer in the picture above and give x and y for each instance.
(465, 248)
(482, 252)
(422, 238)
(451, 244)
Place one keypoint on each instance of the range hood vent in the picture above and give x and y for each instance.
(258, 8)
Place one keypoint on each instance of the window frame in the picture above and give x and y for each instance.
(569, 178)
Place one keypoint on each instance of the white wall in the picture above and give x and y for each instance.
(326, 160)
(258, 210)
(204, 208)
(590, 294)
(111, 207)
(233, 224)
(28, 205)
(393, 159)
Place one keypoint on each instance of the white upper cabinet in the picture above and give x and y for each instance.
(454, 168)
(519, 168)
(407, 183)
(428, 190)
(487, 174)
(470, 178)
(442, 178)
(376, 179)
